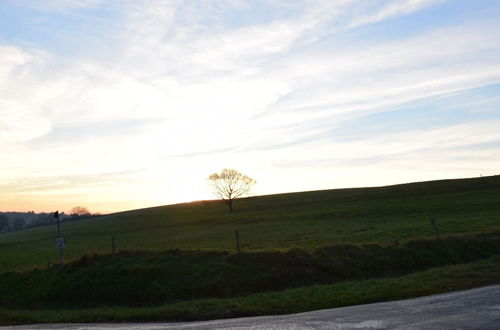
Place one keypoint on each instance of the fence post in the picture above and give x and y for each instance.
(113, 244)
(237, 235)
(59, 240)
(436, 230)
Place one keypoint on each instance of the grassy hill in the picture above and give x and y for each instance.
(301, 251)
(276, 222)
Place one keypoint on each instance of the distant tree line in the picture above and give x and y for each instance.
(15, 221)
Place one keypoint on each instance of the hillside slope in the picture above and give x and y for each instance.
(274, 222)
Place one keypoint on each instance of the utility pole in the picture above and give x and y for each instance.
(59, 240)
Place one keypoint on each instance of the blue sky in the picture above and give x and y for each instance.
(125, 104)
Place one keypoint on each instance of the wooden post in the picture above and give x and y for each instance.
(113, 244)
(48, 261)
(237, 235)
(436, 230)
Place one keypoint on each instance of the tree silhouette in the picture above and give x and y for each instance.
(79, 212)
(229, 185)
(4, 223)
(18, 223)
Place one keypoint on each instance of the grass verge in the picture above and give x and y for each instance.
(139, 279)
(347, 293)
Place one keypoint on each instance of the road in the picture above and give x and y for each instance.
(471, 309)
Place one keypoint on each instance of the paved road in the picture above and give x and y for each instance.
(471, 309)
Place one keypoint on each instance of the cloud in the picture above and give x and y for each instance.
(59, 184)
(165, 61)
(394, 8)
(21, 118)
(453, 148)
(58, 5)
(182, 85)
(360, 81)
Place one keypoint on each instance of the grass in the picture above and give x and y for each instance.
(153, 278)
(436, 280)
(302, 251)
(306, 220)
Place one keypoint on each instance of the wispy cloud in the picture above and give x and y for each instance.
(185, 86)
(392, 9)
(57, 5)
(65, 183)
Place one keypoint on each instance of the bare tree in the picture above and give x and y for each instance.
(229, 185)
(79, 211)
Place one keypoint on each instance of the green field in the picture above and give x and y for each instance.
(323, 248)
(276, 222)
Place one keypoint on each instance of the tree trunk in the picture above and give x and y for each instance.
(230, 204)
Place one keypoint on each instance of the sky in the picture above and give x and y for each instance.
(116, 105)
